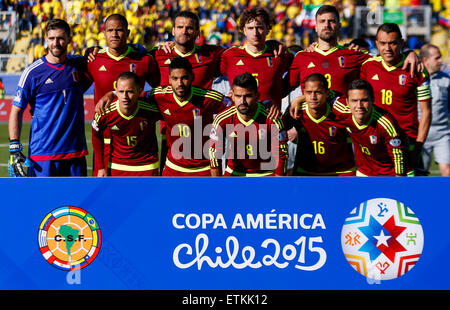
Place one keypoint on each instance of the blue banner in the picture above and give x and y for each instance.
(288, 233)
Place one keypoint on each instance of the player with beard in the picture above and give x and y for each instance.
(53, 86)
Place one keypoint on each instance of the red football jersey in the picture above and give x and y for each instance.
(379, 145)
(324, 147)
(255, 147)
(105, 69)
(340, 65)
(204, 59)
(133, 143)
(264, 66)
(186, 122)
(396, 92)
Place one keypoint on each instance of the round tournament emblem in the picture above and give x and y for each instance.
(382, 239)
(69, 238)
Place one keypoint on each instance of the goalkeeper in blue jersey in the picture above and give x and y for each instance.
(53, 86)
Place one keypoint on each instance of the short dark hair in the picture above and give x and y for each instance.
(251, 14)
(328, 9)
(317, 77)
(180, 63)
(58, 24)
(119, 17)
(362, 85)
(247, 81)
(188, 14)
(129, 76)
(388, 28)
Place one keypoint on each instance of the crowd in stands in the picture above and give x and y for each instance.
(150, 21)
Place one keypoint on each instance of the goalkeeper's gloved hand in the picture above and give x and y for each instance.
(17, 161)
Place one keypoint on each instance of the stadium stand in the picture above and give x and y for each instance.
(150, 22)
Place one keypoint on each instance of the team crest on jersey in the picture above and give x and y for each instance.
(373, 139)
(196, 113)
(198, 58)
(76, 77)
(402, 79)
(382, 239)
(213, 134)
(270, 62)
(341, 61)
(69, 238)
(133, 68)
(332, 131)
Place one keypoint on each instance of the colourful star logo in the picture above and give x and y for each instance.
(382, 239)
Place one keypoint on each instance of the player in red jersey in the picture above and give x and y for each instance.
(116, 58)
(257, 145)
(397, 92)
(340, 65)
(378, 141)
(257, 57)
(204, 59)
(323, 144)
(131, 121)
(187, 110)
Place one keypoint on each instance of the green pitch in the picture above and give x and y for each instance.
(4, 140)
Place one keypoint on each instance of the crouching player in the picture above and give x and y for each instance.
(379, 144)
(256, 144)
(131, 121)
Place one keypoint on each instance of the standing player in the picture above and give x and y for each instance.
(257, 145)
(399, 93)
(131, 120)
(378, 141)
(340, 65)
(204, 59)
(116, 58)
(323, 146)
(53, 86)
(257, 57)
(438, 139)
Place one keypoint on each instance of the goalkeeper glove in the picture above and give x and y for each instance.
(17, 161)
